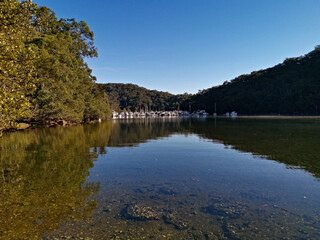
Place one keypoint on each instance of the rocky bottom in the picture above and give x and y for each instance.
(168, 214)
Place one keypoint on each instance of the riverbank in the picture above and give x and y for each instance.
(63, 123)
(45, 124)
(280, 117)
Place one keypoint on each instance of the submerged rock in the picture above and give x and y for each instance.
(177, 222)
(225, 209)
(140, 212)
(167, 191)
(145, 213)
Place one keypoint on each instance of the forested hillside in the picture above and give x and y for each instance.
(43, 75)
(292, 87)
(134, 98)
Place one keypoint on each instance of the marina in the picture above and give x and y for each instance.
(156, 114)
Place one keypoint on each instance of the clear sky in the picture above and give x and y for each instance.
(186, 45)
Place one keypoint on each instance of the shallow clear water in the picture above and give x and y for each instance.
(163, 179)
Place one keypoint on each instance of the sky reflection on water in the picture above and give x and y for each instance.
(209, 179)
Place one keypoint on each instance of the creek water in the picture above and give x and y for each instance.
(164, 178)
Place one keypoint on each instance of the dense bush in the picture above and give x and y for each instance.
(43, 75)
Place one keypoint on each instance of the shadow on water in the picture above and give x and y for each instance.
(44, 172)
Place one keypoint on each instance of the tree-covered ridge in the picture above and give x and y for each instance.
(292, 87)
(132, 97)
(42, 69)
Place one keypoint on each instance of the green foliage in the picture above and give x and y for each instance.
(17, 61)
(97, 105)
(42, 69)
(292, 87)
(134, 98)
(66, 88)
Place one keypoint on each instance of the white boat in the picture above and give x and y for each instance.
(233, 114)
(203, 113)
(185, 114)
(142, 114)
(115, 114)
(195, 114)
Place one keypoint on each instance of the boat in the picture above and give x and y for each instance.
(233, 114)
(115, 114)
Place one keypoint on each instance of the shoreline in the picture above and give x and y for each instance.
(279, 116)
(45, 124)
(62, 123)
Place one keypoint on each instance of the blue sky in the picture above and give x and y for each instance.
(186, 45)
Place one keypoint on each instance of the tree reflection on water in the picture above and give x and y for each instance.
(43, 178)
(43, 172)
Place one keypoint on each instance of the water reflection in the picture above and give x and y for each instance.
(45, 178)
(292, 142)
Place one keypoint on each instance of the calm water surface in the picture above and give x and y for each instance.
(163, 179)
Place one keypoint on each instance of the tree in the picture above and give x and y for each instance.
(17, 61)
(43, 74)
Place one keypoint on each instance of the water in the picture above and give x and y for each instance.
(163, 179)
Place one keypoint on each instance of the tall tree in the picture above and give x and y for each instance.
(43, 73)
(17, 60)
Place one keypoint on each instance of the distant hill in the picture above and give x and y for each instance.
(135, 98)
(292, 87)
